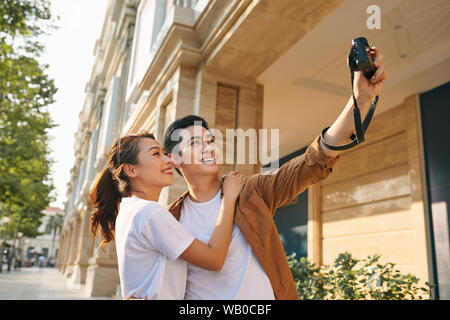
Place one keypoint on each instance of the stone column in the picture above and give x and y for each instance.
(64, 251)
(102, 275)
(85, 250)
(73, 245)
(67, 238)
(178, 93)
(60, 252)
(205, 98)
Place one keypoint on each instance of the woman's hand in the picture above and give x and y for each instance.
(367, 89)
(232, 185)
(212, 256)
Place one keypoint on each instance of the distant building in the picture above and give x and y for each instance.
(46, 245)
(263, 64)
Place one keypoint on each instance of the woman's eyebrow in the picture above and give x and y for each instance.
(152, 148)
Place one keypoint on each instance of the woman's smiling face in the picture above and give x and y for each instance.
(154, 167)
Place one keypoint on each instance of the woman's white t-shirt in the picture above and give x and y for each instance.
(148, 241)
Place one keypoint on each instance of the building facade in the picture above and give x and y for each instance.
(262, 64)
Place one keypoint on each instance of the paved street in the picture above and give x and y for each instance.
(39, 284)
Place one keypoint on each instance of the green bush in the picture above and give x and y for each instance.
(353, 279)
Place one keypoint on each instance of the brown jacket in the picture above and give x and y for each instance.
(261, 195)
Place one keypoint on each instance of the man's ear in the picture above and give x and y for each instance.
(176, 160)
(129, 170)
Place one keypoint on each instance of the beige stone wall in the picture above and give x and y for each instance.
(226, 107)
(238, 106)
(102, 276)
(373, 200)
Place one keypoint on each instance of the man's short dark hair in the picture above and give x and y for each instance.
(181, 123)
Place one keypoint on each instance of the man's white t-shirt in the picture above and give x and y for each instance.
(242, 276)
(148, 242)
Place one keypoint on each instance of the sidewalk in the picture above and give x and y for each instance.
(39, 284)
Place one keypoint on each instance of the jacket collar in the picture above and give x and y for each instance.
(175, 207)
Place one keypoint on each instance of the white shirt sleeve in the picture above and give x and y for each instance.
(162, 232)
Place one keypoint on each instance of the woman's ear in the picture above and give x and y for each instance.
(129, 170)
(176, 160)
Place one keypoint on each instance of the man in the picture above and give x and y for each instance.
(256, 266)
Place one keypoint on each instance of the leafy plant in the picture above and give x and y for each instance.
(353, 279)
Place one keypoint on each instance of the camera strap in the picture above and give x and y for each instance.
(360, 128)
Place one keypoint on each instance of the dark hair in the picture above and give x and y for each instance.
(112, 184)
(170, 141)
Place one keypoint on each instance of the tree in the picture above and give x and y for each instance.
(56, 224)
(25, 93)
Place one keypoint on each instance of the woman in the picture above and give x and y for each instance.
(152, 246)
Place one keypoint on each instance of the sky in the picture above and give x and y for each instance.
(69, 53)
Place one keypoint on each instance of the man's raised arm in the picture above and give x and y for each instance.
(365, 90)
(283, 184)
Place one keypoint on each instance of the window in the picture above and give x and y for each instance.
(150, 18)
(292, 224)
(48, 229)
(159, 18)
(105, 137)
(165, 119)
(91, 155)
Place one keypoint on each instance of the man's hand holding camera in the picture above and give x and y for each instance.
(367, 89)
(369, 79)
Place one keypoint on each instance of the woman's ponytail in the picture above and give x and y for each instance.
(104, 198)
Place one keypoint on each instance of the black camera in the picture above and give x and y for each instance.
(359, 60)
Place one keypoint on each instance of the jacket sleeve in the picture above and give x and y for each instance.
(278, 186)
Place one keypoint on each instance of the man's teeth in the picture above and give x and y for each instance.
(167, 171)
(208, 160)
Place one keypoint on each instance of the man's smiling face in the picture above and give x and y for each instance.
(198, 152)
